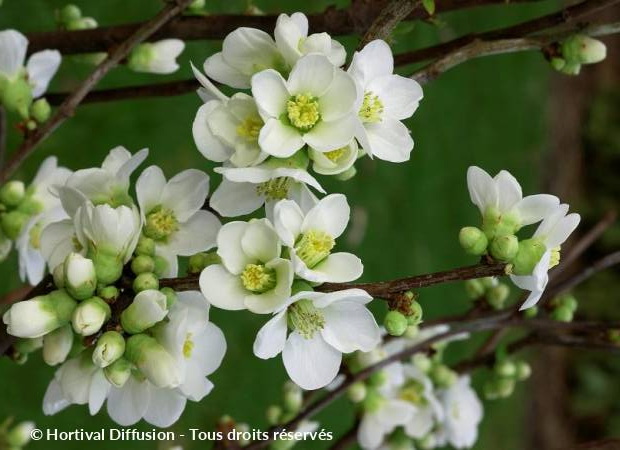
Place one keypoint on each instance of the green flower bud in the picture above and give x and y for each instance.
(90, 315)
(505, 368)
(140, 57)
(529, 253)
(412, 331)
(443, 376)
(357, 392)
(347, 174)
(293, 397)
(57, 345)
(141, 264)
(155, 363)
(12, 193)
(17, 96)
(614, 336)
(68, 13)
(83, 23)
(28, 345)
(474, 289)
(110, 347)
(145, 282)
(523, 371)
(415, 318)
(273, 414)
(530, 313)
(378, 379)
(20, 435)
(558, 63)
(473, 241)
(496, 223)
(20, 358)
(13, 222)
(161, 266)
(490, 390)
(80, 276)
(171, 296)
(422, 362)
(571, 69)
(562, 314)
(40, 110)
(505, 387)
(108, 293)
(146, 246)
(504, 248)
(199, 261)
(497, 295)
(59, 276)
(197, 5)
(395, 323)
(148, 308)
(107, 267)
(568, 301)
(582, 49)
(373, 401)
(118, 372)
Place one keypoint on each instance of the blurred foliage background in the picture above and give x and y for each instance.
(490, 112)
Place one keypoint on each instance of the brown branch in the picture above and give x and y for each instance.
(385, 22)
(68, 107)
(3, 133)
(354, 19)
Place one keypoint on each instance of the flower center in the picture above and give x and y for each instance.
(249, 129)
(305, 318)
(555, 257)
(303, 111)
(188, 346)
(35, 235)
(314, 246)
(335, 155)
(258, 279)
(160, 223)
(77, 245)
(413, 392)
(276, 189)
(372, 108)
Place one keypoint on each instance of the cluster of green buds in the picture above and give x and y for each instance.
(563, 308)
(576, 50)
(15, 437)
(70, 18)
(404, 315)
(198, 262)
(506, 373)
(292, 401)
(16, 96)
(17, 207)
(488, 289)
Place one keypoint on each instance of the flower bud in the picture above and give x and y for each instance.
(57, 345)
(378, 379)
(20, 435)
(273, 414)
(146, 246)
(199, 261)
(108, 293)
(571, 69)
(80, 276)
(523, 371)
(562, 314)
(505, 368)
(504, 248)
(17, 96)
(530, 313)
(529, 253)
(40, 110)
(12, 193)
(153, 360)
(107, 267)
(347, 174)
(395, 323)
(497, 295)
(90, 315)
(147, 308)
(473, 240)
(142, 264)
(373, 401)
(13, 222)
(59, 276)
(68, 13)
(412, 331)
(110, 347)
(443, 376)
(161, 265)
(357, 392)
(171, 296)
(568, 301)
(40, 315)
(118, 372)
(145, 281)
(196, 5)
(474, 288)
(422, 362)
(415, 318)
(582, 49)
(293, 397)
(505, 387)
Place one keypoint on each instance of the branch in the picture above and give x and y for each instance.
(3, 133)
(68, 107)
(354, 19)
(394, 12)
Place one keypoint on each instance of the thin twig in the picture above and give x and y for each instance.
(68, 107)
(390, 16)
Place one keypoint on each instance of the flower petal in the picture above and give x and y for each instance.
(208, 144)
(198, 234)
(185, 193)
(271, 337)
(389, 140)
(279, 140)
(399, 95)
(217, 68)
(534, 208)
(128, 404)
(288, 219)
(341, 97)
(260, 241)
(508, 190)
(312, 74)
(349, 326)
(563, 230)
(327, 136)
(41, 67)
(373, 61)
(149, 187)
(311, 363)
(330, 215)
(221, 288)
(13, 46)
(229, 247)
(482, 189)
(270, 92)
(232, 199)
(164, 408)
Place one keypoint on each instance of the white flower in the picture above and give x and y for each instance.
(312, 236)
(501, 201)
(380, 418)
(463, 413)
(315, 106)
(57, 345)
(335, 161)
(291, 36)
(173, 215)
(252, 274)
(323, 327)
(40, 68)
(387, 99)
(244, 190)
(156, 57)
(49, 174)
(536, 283)
(78, 381)
(418, 390)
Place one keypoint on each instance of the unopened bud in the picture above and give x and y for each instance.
(148, 308)
(497, 295)
(529, 253)
(142, 264)
(505, 368)
(13, 223)
(118, 372)
(28, 345)
(161, 266)
(90, 315)
(504, 248)
(153, 360)
(59, 276)
(40, 315)
(108, 267)
(12, 193)
(347, 174)
(20, 435)
(68, 13)
(473, 240)
(443, 376)
(57, 345)
(146, 246)
(474, 288)
(395, 323)
(80, 276)
(145, 282)
(17, 96)
(40, 110)
(562, 314)
(108, 293)
(582, 49)
(293, 397)
(273, 414)
(110, 347)
(199, 261)
(357, 392)
(523, 371)
(171, 296)
(422, 362)
(415, 318)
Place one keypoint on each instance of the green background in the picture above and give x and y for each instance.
(489, 112)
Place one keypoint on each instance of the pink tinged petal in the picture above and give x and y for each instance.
(508, 189)
(482, 189)
(312, 74)
(330, 215)
(230, 249)
(41, 68)
(128, 404)
(271, 337)
(326, 136)
(349, 326)
(222, 289)
(217, 68)
(288, 219)
(563, 230)
(279, 140)
(13, 46)
(270, 93)
(311, 363)
(341, 97)
(260, 241)
(165, 407)
(232, 199)
(149, 187)
(197, 234)
(534, 208)
(389, 140)
(340, 268)
(399, 95)
(186, 193)
(373, 61)
(208, 144)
